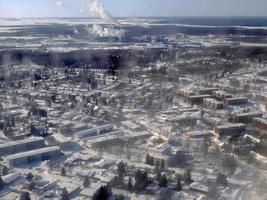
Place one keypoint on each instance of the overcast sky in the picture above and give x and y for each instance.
(136, 8)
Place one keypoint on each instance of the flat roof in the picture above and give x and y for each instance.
(248, 114)
(261, 120)
(18, 142)
(200, 96)
(33, 152)
(231, 125)
(208, 89)
(237, 98)
(91, 130)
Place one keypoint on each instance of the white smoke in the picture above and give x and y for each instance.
(60, 3)
(101, 31)
(97, 8)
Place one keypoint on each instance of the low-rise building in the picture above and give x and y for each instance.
(221, 95)
(186, 93)
(105, 128)
(212, 103)
(230, 129)
(61, 141)
(208, 91)
(236, 101)
(85, 134)
(245, 117)
(130, 125)
(34, 156)
(13, 147)
(198, 99)
(107, 140)
(259, 159)
(198, 134)
(259, 123)
(138, 136)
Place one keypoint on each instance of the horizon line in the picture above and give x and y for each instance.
(57, 17)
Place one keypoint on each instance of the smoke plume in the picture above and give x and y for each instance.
(97, 8)
(101, 31)
(60, 3)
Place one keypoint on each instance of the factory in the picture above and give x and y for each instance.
(230, 129)
(34, 156)
(21, 145)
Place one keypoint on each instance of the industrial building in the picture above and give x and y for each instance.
(21, 145)
(34, 156)
(230, 129)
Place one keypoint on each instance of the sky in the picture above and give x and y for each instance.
(136, 8)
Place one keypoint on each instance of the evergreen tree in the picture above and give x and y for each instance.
(65, 194)
(187, 177)
(5, 171)
(63, 172)
(221, 180)
(179, 185)
(163, 181)
(152, 160)
(121, 169)
(86, 182)
(25, 196)
(29, 176)
(2, 184)
(103, 193)
(157, 164)
(158, 177)
(141, 180)
(162, 165)
(147, 161)
(130, 184)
